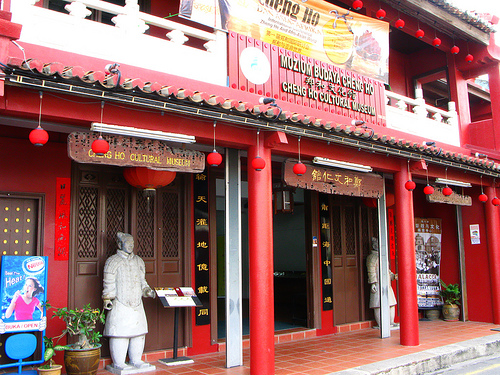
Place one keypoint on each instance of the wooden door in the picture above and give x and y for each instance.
(345, 260)
(104, 204)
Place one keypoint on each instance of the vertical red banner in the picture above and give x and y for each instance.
(392, 233)
(63, 195)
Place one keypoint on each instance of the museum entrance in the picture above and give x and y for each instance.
(103, 203)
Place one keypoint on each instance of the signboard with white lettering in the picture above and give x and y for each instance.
(135, 152)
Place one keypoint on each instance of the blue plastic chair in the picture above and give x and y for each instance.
(19, 347)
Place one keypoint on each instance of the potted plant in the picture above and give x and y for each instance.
(451, 299)
(82, 357)
(50, 368)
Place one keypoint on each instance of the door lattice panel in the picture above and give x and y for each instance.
(145, 241)
(170, 225)
(337, 231)
(350, 230)
(87, 222)
(115, 218)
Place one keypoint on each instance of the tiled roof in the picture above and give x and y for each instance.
(77, 75)
(471, 17)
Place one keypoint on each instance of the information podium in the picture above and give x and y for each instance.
(177, 298)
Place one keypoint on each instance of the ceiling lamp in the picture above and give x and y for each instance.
(142, 133)
(399, 23)
(342, 164)
(39, 136)
(299, 168)
(380, 14)
(258, 163)
(357, 4)
(214, 158)
(455, 50)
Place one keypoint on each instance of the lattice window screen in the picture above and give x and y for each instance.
(144, 244)
(350, 230)
(170, 225)
(87, 222)
(115, 218)
(337, 231)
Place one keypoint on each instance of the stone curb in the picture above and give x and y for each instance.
(432, 359)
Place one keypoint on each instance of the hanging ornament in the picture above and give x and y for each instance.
(299, 168)
(455, 50)
(399, 23)
(380, 14)
(419, 33)
(482, 197)
(436, 42)
(214, 158)
(258, 163)
(357, 4)
(100, 146)
(447, 191)
(39, 136)
(495, 201)
(410, 185)
(469, 58)
(428, 189)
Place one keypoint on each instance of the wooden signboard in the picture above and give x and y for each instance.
(135, 152)
(334, 181)
(455, 198)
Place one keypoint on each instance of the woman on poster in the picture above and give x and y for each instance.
(23, 305)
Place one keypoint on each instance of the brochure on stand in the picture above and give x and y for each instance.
(178, 297)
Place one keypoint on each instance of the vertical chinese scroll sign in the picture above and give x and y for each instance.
(326, 251)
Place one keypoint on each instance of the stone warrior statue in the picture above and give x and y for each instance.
(126, 326)
(372, 265)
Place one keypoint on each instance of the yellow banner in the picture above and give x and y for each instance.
(311, 28)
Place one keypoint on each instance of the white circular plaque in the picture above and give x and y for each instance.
(255, 65)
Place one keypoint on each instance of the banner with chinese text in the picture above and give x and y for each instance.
(428, 260)
(312, 28)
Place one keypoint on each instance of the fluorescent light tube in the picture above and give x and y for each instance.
(445, 181)
(342, 164)
(142, 133)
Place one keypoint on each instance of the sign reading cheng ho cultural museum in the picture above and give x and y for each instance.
(135, 152)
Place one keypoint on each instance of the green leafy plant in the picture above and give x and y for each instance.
(50, 350)
(450, 293)
(81, 323)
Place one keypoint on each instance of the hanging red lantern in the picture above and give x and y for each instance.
(436, 42)
(145, 178)
(428, 190)
(400, 23)
(495, 201)
(299, 169)
(455, 50)
(419, 33)
(258, 163)
(483, 198)
(380, 14)
(469, 58)
(447, 191)
(357, 4)
(39, 136)
(100, 146)
(410, 185)
(214, 159)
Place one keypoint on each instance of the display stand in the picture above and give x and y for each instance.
(177, 298)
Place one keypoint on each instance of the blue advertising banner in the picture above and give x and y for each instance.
(23, 293)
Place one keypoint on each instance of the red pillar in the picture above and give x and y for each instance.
(494, 80)
(407, 272)
(492, 227)
(260, 241)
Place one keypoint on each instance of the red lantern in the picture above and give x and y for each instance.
(100, 146)
(483, 198)
(455, 50)
(258, 163)
(145, 178)
(495, 201)
(357, 4)
(214, 159)
(436, 42)
(469, 58)
(447, 191)
(299, 169)
(410, 185)
(400, 23)
(380, 14)
(428, 190)
(419, 33)
(39, 136)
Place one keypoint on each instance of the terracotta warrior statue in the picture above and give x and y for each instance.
(372, 264)
(126, 326)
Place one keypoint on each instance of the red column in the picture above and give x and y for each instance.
(494, 80)
(260, 241)
(407, 272)
(492, 227)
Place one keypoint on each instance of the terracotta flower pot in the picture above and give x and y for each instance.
(451, 312)
(54, 370)
(82, 361)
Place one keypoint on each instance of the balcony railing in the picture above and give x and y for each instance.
(416, 117)
(124, 43)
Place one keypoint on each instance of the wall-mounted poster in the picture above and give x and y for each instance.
(428, 259)
(23, 292)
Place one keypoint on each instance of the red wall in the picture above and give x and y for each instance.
(26, 168)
